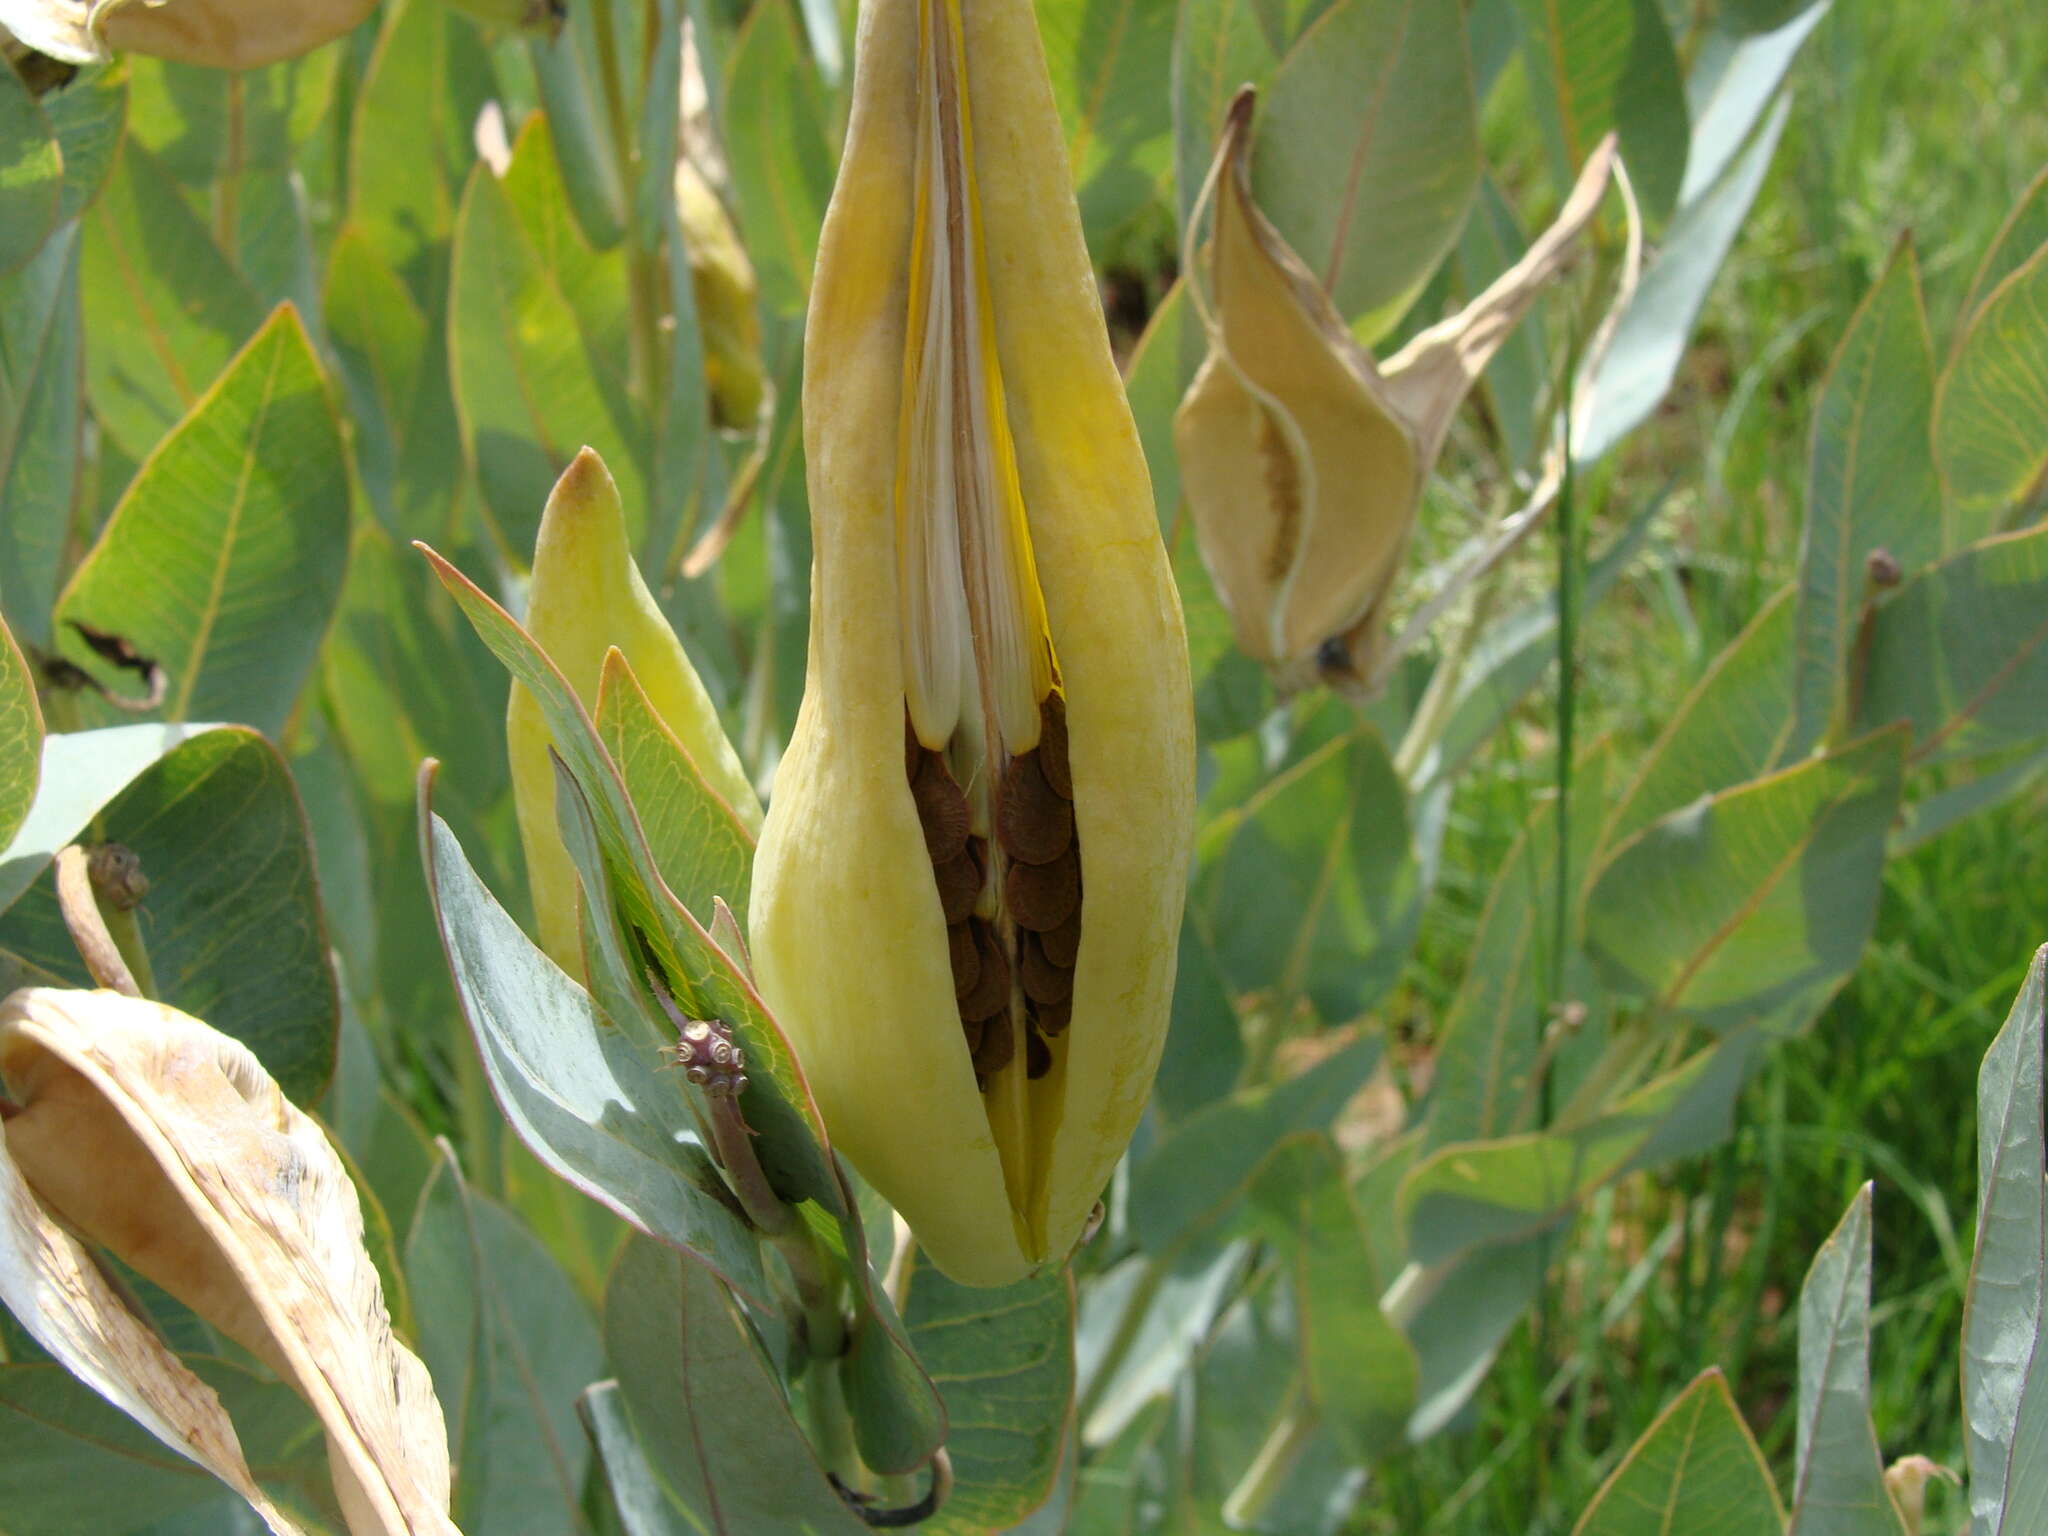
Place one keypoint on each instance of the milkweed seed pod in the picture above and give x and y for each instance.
(587, 597)
(1302, 457)
(723, 286)
(968, 893)
(220, 34)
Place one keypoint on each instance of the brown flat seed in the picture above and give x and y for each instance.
(996, 1048)
(1063, 943)
(966, 958)
(991, 990)
(1037, 1055)
(1042, 896)
(1052, 745)
(1053, 1018)
(1033, 824)
(959, 880)
(1044, 982)
(941, 808)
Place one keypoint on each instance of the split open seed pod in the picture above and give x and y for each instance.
(1303, 458)
(165, 1142)
(968, 892)
(587, 597)
(219, 34)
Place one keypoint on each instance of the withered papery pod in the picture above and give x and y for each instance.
(1302, 457)
(968, 893)
(219, 34)
(146, 1131)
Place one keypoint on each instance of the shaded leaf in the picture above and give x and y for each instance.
(1103, 57)
(1005, 1361)
(1368, 151)
(224, 560)
(644, 1509)
(537, 344)
(165, 308)
(2024, 232)
(1461, 1323)
(40, 409)
(593, 1105)
(1839, 1486)
(88, 116)
(31, 171)
(232, 920)
(1991, 416)
(1753, 900)
(705, 1406)
(1653, 331)
(1870, 484)
(1961, 652)
(1204, 1048)
(1732, 80)
(2005, 1312)
(1728, 730)
(1610, 65)
(21, 738)
(1695, 1471)
(777, 142)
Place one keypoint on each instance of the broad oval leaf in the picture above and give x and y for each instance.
(1696, 1471)
(21, 738)
(31, 171)
(41, 412)
(1991, 418)
(224, 560)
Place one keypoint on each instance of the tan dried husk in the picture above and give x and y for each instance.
(1303, 458)
(219, 34)
(153, 1135)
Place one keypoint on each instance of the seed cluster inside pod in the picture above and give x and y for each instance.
(1012, 910)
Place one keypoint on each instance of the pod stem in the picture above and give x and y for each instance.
(97, 893)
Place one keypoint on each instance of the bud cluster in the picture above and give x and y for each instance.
(709, 1058)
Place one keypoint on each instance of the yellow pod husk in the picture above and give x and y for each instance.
(959, 389)
(586, 597)
(723, 286)
(1303, 459)
(219, 34)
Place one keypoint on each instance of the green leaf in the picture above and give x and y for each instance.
(703, 850)
(1367, 154)
(1462, 1322)
(1361, 1372)
(644, 1509)
(1961, 652)
(70, 1461)
(1518, 378)
(1470, 1194)
(1204, 1052)
(1838, 1489)
(1755, 900)
(81, 772)
(1733, 80)
(2005, 1311)
(705, 1406)
(1104, 60)
(224, 560)
(380, 341)
(1696, 1471)
(1156, 375)
(40, 347)
(425, 84)
(206, 125)
(1005, 1359)
(31, 172)
(538, 345)
(1489, 1046)
(1728, 730)
(1870, 484)
(1609, 66)
(2023, 233)
(1164, 1308)
(1651, 336)
(1991, 416)
(778, 146)
(232, 920)
(590, 1102)
(1309, 887)
(165, 307)
(567, 71)
(21, 738)
(88, 116)
(708, 982)
(510, 1344)
(1196, 1176)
